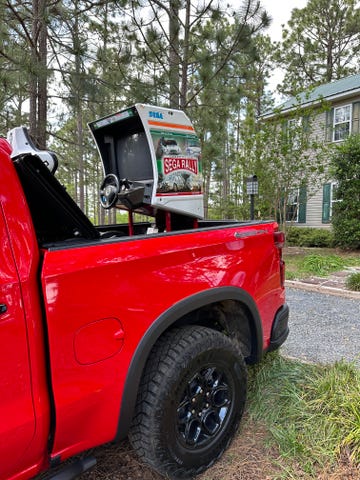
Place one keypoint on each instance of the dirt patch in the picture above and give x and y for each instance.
(119, 462)
(249, 457)
(343, 471)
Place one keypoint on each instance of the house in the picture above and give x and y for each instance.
(331, 125)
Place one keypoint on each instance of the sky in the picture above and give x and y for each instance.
(280, 12)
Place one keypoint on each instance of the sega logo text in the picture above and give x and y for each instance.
(156, 115)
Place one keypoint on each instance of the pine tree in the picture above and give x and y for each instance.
(321, 44)
(172, 36)
(24, 51)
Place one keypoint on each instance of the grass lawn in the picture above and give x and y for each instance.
(302, 423)
(306, 262)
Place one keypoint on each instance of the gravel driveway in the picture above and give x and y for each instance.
(323, 328)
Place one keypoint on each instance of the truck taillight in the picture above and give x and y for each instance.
(279, 240)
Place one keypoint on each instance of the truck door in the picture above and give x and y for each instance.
(17, 421)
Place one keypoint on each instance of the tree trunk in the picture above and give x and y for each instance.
(206, 189)
(80, 149)
(329, 61)
(77, 94)
(174, 54)
(42, 82)
(38, 74)
(185, 58)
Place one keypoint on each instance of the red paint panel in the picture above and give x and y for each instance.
(17, 418)
(24, 402)
(98, 341)
(136, 281)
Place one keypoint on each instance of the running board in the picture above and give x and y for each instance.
(73, 470)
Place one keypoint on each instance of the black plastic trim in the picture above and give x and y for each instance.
(55, 215)
(74, 470)
(280, 328)
(165, 321)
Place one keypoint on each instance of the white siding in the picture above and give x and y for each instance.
(314, 211)
(315, 201)
(318, 128)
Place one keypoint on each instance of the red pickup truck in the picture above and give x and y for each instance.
(105, 335)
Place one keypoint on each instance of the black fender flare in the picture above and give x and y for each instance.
(162, 323)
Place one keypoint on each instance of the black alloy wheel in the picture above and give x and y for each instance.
(190, 401)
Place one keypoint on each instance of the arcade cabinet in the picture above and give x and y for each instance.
(152, 165)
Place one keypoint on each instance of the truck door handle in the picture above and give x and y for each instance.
(3, 308)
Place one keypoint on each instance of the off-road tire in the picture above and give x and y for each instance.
(190, 401)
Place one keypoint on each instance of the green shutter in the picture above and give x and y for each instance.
(306, 123)
(326, 203)
(302, 204)
(329, 127)
(355, 117)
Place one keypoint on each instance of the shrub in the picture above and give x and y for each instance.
(353, 282)
(309, 237)
(346, 212)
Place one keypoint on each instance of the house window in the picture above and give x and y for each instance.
(329, 198)
(292, 207)
(296, 206)
(293, 128)
(342, 123)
